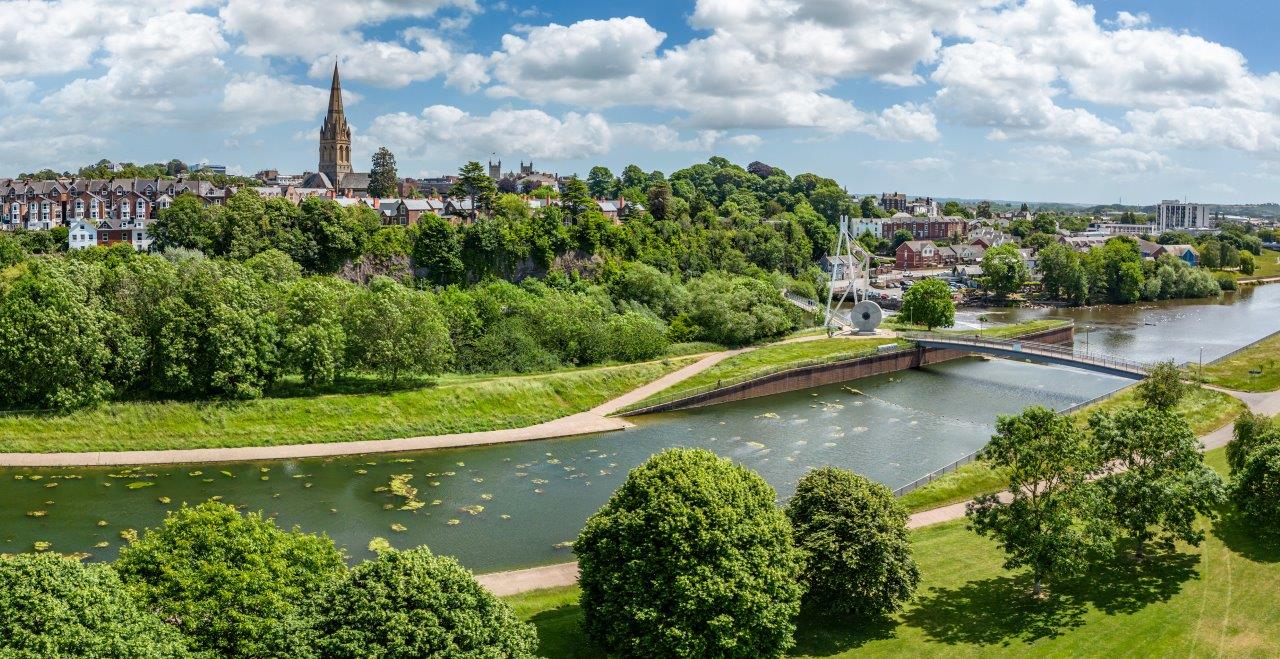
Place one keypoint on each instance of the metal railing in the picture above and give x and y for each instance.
(937, 473)
(1031, 348)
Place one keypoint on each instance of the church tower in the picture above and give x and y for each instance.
(335, 136)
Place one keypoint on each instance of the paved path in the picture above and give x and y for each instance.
(594, 420)
(566, 574)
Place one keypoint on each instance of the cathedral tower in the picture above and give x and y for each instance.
(335, 136)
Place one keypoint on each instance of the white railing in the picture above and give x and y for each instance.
(1031, 348)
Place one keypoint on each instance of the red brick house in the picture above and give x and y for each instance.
(915, 254)
(925, 228)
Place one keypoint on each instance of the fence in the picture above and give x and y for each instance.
(1029, 348)
(973, 457)
(1241, 348)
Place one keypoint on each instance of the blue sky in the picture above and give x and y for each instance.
(1048, 100)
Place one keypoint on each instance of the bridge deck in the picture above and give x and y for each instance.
(1030, 350)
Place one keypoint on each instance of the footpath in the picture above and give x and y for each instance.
(514, 582)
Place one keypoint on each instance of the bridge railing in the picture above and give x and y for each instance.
(1031, 348)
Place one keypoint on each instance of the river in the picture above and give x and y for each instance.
(517, 505)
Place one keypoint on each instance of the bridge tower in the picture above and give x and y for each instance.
(851, 275)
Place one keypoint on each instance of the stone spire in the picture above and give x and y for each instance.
(335, 136)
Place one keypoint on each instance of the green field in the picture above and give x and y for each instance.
(997, 331)
(1233, 372)
(1266, 265)
(1221, 599)
(454, 404)
(770, 359)
(1205, 409)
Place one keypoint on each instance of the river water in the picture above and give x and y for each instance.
(516, 505)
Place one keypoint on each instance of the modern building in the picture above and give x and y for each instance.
(1174, 215)
(1121, 229)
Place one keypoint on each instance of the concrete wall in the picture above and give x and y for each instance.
(806, 377)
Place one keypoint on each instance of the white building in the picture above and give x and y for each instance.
(81, 234)
(1174, 215)
(1122, 229)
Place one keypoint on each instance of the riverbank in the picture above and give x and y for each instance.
(1222, 598)
(347, 423)
(1254, 368)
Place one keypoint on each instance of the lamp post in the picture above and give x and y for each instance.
(1202, 363)
(1086, 339)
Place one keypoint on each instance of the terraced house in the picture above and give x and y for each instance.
(96, 211)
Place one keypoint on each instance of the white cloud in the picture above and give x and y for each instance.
(255, 100)
(530, 132)
(1127, 19)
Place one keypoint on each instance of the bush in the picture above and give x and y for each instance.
(636, 337)
(1256, 488)
(690, 558)
(736, 311)
(1251, 432)
(1226, 282)
(56, 606)
(415, 604)
(853, 533)
(233, 583)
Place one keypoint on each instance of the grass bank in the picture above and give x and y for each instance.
(1221, 599)
(1265, 265)
(771, 359)
(453, 404)
(1256, 368)
(1205, 410)
(995, 332)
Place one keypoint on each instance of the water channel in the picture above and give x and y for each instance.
(516, 505)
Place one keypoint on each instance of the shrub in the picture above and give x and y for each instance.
(636, 337)
(1251, 432)
(1226, 282)
(233, 583)
(853, 533)
(1256, 488)
(56, 606)
(690, 558)
(415, 604)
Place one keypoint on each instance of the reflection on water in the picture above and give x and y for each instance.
(508, 506)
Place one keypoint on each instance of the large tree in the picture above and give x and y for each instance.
(928, 302)
(234, 584)
(383, 179)
(690, 558)
(188, 223)
(415, 604)
(1062, 274)
(475, 186)
(1003, 270)
(1163, 387)
(53, 606)
(601, 183)
(396, 330)
(1255, 488)
(436, 248)
(1158, 483)
(1053, 518)
(1251, 432)
(853, 533)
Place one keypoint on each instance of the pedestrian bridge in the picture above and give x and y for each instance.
(1047, 353)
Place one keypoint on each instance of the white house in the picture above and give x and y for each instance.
(81, 234)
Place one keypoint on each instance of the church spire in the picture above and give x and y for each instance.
(335, 93)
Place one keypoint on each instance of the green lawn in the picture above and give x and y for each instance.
(770, 359)
(454, 404)
(1233, 372)
(998, 331)
(1221, 599)
(1266, 265)
(1205, 409)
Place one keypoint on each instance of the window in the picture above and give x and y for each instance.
(142, 208)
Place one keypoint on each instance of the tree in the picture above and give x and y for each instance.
(658, 201)
(575, 199)
(240, 231)
(1158, 482)
(1163, 388)
(274, 266)
(1003, 270)
(437, 249)
(1252, 431)
(735, 310)
(383, 179)
(869, 207)
(393, 329)
(1247, 264)
(1054, 517)
(415, 604)
(1256, 488)
(984, 210)
(1063, 274)
(186, 223)
(900, 236)
(313, 341)
(234, 584)
(55, 354)
(175, 167)
(690, 557)
(475, 186)
(52, 605)
(853, 533)
(330, 235)
(600, 182)
(928, 302)
(636, 336)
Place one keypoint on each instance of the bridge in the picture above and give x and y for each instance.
(1047, 353)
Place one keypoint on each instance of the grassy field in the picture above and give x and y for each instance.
(1265, 265)
(1233, 372)
(773, 357)
(1221, 599)
(454, 404)
(1205, 409)
(997, 332)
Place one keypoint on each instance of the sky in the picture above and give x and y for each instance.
(1128, 101)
